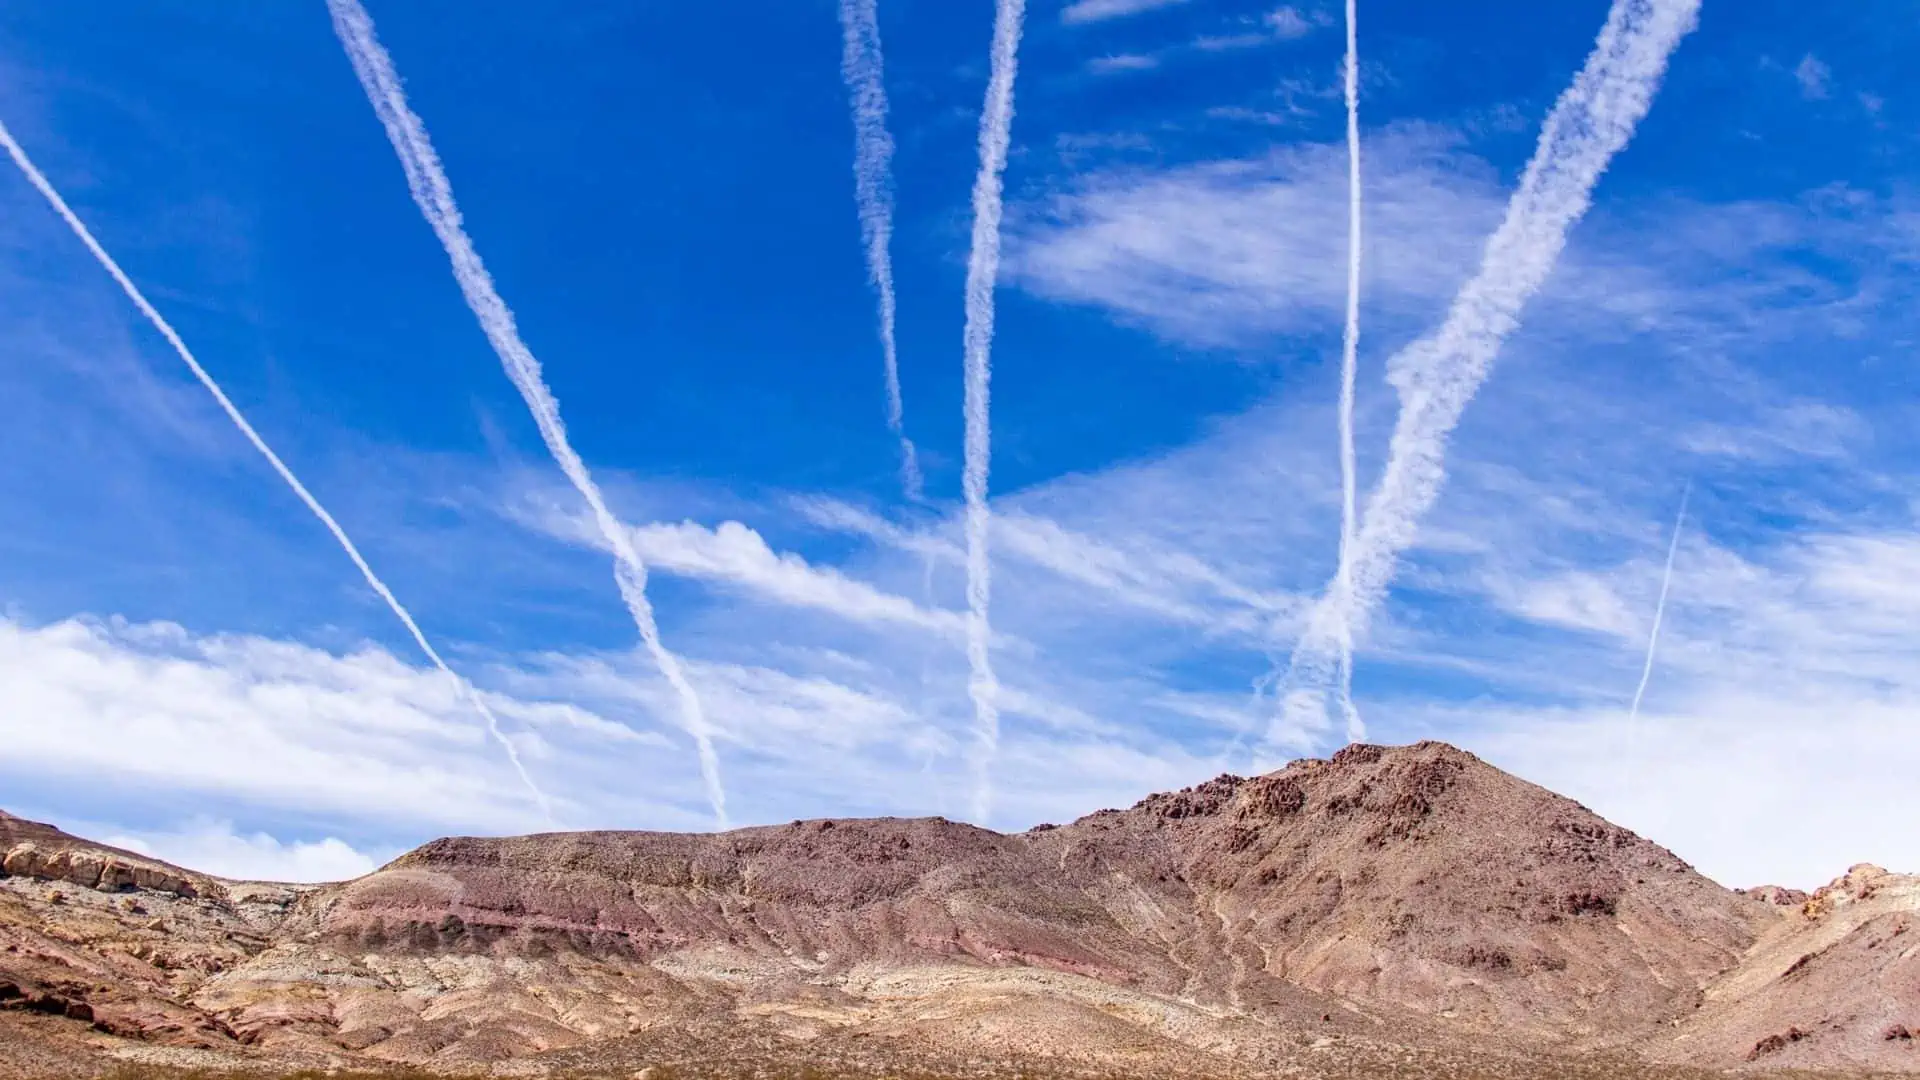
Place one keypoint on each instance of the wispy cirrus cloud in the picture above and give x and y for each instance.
(1228, 252)
(1155, 581)
(1786, 660)
(1237, 253)
(1081, 12)
(1118, 62)
(1711, 322)
(252, 435)
(1782, 432)
(840, 516)
(1786, 677)
(735, 556)
(1577, 600)
(433, 193)
(737, 559)
(1130, 570)
(1285, 23)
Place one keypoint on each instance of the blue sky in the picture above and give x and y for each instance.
(665, 198)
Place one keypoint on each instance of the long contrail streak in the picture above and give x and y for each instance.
(1438, 375)
(983, 267)
(861, 67)
(434, 194)
(46, 188)
(1349, 371)
(1659, 609)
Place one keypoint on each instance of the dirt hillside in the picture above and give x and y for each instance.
(1390, 906)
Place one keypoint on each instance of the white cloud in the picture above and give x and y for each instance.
(1777, 734)
(274, 723)
(1874, 578)
(1229, 42)
(1266, 117)
(737, 556)
(1088, 11)
(1107, 65)
(1059, 780)
(1156, 581)
(1580, 601)
(1221, 252)
(1287, 23)
(1750, 788)
(1119, 575)
(1133, 571)
(378, 748)
(1807, 429)
(1230, 253)
(1822, 615)
(808, 745)
(215, 847)
(1815, 78)
(845, 517)
(738, 559)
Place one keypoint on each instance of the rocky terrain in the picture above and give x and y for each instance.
(1393, 911)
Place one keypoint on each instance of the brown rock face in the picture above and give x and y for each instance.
(31, 850)
(1393, 902)
(1776, 895)
(1421, 878)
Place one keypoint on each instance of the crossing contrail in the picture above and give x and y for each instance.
(1659, 608)
(860, 66)
(1349, 371)
(983, 267)
(434, 194)
(1437, 375)
(46, 188)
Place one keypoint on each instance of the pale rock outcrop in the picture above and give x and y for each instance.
(92, 869)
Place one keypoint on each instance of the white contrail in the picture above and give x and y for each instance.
(1659, 608)
(39, 180)
(1349, 370)
(860, 66)
(1437, 375)
(983, 267)
(431, 190)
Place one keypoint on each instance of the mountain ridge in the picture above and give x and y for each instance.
(1409, 898)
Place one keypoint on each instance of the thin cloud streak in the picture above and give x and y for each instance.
(1438, 375)
(1349, 372)
(862, 68)
(434, 194)
(1089, 11)
(467, 691)
(846, 518)
(983, 268)
(1659, 610)
(737, 555)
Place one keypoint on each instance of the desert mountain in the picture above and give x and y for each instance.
(1387, 907)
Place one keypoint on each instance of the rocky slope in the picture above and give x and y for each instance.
(1392, 905)
(1838, 980)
